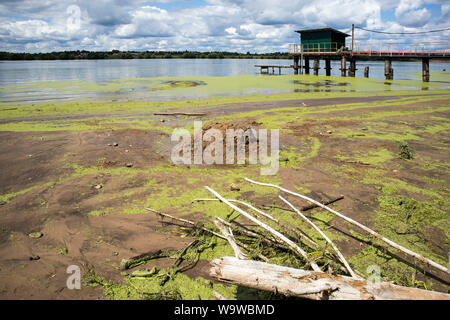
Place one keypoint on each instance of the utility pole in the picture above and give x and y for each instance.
(353, 36)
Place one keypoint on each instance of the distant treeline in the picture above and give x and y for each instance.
(116, 54)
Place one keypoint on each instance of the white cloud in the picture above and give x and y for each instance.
(406, 5)
(416, 18)
(233, 25)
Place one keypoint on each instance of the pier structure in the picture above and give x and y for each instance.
(329, 44)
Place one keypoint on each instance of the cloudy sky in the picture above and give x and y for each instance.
(205, 25)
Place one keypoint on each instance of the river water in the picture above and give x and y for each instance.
(20, 73)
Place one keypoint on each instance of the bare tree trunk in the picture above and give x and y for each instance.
(310, 284)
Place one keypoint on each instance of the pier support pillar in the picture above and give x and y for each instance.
(306, 65)
(352, 68)
(388, 71)
(343, 66)
(366, 71)
(327, 67)
(295, 64)
(316, 66)
(425, 70)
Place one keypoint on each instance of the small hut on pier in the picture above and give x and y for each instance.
(324, 40)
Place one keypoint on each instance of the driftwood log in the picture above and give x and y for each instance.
(311, 284)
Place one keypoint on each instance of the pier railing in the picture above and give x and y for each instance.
(311, 48)
(375, 49)
(402, 49)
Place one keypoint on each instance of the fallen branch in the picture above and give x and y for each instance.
(243, 245)
(310, 284)
(180, 256)
(247, 205)
(242, 229)
(186, 221)
(375, 234)
(229, 235)
(308, 207)
(270, 217)
(289, 242)
(143, 258)
(218, 295)
(179, 114)
(356, 162)
(341, 257)
(312, 206)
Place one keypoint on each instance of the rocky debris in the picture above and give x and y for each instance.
(34, 258)
(234, 187)
(129, 165)
(115, 144)
(35, 235)
(98, 186)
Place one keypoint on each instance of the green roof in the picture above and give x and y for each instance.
(321, 30)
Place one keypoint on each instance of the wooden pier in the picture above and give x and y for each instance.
(348, 63)
(329, 44)
(264, 69)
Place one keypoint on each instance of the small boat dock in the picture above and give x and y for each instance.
(265, 69)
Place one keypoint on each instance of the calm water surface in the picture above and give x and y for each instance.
(99, 71)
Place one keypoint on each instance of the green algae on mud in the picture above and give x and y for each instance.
(179, 92)
(409, 209)
(239, 84)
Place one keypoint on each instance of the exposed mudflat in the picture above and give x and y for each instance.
(75, 187)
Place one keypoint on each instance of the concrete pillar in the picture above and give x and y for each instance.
(306, 65)
(295, 64)
(328, 67)
(388, 71)
(366, 71)
(343, 66)
(352, 68)
(316, 66)
(425, 70)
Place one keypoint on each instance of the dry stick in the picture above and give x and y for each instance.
(185, 221)
(263, 225)
(247, 205)
(250, 233)
(299, 232)
(341, 257)
(229, 235)
(312, 206)
(218, 296)
(375, 234)
(243, 245)
(308, 207)
(180, 256)
(178, 114)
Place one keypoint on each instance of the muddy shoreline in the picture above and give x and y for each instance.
(50, 180)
